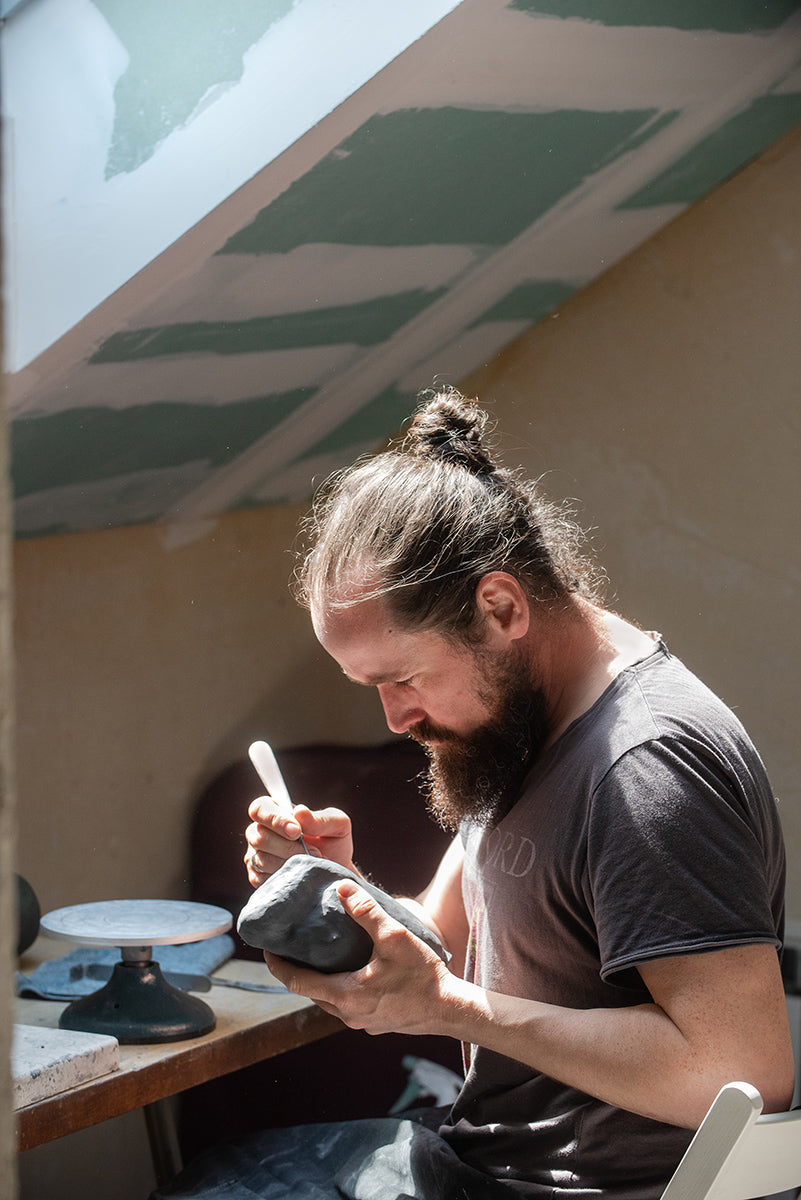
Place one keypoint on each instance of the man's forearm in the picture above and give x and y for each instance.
(640, 1058)
(633, 1058)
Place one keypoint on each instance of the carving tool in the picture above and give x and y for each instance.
(263, 759)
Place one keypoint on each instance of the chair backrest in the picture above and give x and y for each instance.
(739, 1154)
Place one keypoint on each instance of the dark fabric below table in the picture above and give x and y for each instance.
(381, 1158)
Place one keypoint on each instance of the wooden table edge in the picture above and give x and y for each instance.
(123, 1091)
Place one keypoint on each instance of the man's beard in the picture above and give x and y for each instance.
(478, 776)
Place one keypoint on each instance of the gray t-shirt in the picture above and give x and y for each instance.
(648, 829)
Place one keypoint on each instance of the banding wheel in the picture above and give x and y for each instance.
(138, 1005)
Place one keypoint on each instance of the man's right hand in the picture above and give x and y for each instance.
(273, 835)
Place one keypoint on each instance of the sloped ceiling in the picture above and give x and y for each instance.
(242, 236)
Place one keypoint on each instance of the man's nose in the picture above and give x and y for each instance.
(400, 711)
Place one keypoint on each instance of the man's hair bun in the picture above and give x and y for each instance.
(423, 522)
(452, 429)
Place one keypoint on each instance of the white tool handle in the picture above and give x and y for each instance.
(263, 759)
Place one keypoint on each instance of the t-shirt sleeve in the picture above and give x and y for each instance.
(676, 863)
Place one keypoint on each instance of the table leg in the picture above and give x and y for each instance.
(163, 1137)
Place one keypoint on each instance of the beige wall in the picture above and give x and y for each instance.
(665, 396)
(141, 672)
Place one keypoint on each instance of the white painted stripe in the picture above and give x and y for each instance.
(135, 498)
(230, 287)
(215, 379)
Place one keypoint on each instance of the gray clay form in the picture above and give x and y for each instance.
(297, 915)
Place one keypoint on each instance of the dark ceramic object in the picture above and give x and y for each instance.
(297, 915)
(28, 914)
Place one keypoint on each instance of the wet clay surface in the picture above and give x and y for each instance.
(297, 915)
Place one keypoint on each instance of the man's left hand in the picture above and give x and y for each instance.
(401, 989)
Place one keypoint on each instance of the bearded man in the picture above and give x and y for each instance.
(613, 897)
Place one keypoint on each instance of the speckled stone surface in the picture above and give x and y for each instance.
(297, 915)
(47, 1061)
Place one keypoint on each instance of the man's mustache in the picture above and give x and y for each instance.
(426, 732)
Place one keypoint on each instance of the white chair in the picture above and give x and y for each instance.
(739, 1154)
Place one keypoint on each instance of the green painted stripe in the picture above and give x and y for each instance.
(56, 530)
(530, 301)
(88, 444)
(721, 154)
(365, 324)
(444, 176)
(724, 16)
(177, 54)
(375, 422)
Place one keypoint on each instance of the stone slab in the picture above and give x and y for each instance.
(46, 1061)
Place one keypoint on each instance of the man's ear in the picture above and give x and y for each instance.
(503, 605)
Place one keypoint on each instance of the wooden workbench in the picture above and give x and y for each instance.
(250, 1026)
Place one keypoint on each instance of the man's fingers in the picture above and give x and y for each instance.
(267, 819)
(365, 911)
(323, 822)
(301, 980)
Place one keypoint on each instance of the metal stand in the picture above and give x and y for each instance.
(138, 1005)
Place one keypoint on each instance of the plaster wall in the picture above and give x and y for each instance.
(142, 672)
(144, 136)
(665, 396)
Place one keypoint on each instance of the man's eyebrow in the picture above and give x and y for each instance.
(372, 680)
